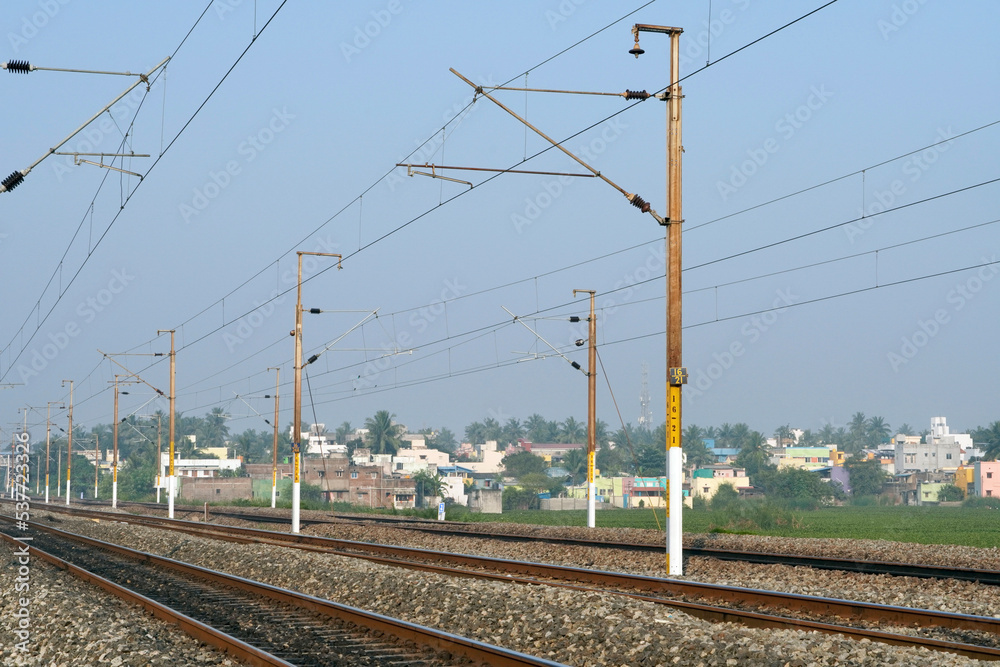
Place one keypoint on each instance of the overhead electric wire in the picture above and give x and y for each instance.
(491, 366)
(441, 204)
(841, 224)
(839, 178)
(479, 332)
(121, 209)
(434, 208)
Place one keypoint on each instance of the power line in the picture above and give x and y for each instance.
(138, 185)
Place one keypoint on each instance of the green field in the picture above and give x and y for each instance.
(977, 527)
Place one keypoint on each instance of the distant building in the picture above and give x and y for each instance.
(196, 467)
(940, 434)
(987, 479)
(551, 451)
(941, 451)
(705, 482)
(724, 454)
(808, 458)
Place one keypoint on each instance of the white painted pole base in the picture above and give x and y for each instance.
(296, 498)
(274, 496)
(591, 504)
(675, 528)
(67, 492)
(114, 495)
(171, 481)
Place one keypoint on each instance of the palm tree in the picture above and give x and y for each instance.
(444, 440)
(693, 444)
(428, 485)
(858, 432)
(741, 435)
(990, 437)
(572, 431)
(475, 433)
(213, 431)
(725, 436)
(878, 431)
(828, 435)
(754, 454)
(808, 439)
(344, 430)
(492, 429)
(535, 428)
(905, 429)
(575, 463)
(783, 434)
(383, 435)
(512, 431)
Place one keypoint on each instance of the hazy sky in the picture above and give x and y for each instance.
(891, 310)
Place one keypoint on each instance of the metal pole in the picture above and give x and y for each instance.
(171, 480)
(676, 377)
(48, 409)
(69, 441)
(297, 416)
(591, 413)
(97, 462)
(159, 465)
(48, 433)
(114, 457)
(274, 446)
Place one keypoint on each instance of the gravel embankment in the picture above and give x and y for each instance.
(72, 623)
(569, 627)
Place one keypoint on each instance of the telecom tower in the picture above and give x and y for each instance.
(645, 416)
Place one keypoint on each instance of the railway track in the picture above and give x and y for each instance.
(257, 623)
(456, 529)
(750, 607)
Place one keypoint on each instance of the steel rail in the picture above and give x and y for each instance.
(200, 631)
(707, 612)
(863, 611)
(439, 640)
(982, 576)
(975, 575)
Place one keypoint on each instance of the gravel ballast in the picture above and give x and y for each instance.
(560, 625)
(72, 623)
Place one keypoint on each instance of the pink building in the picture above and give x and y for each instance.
(987, 479)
